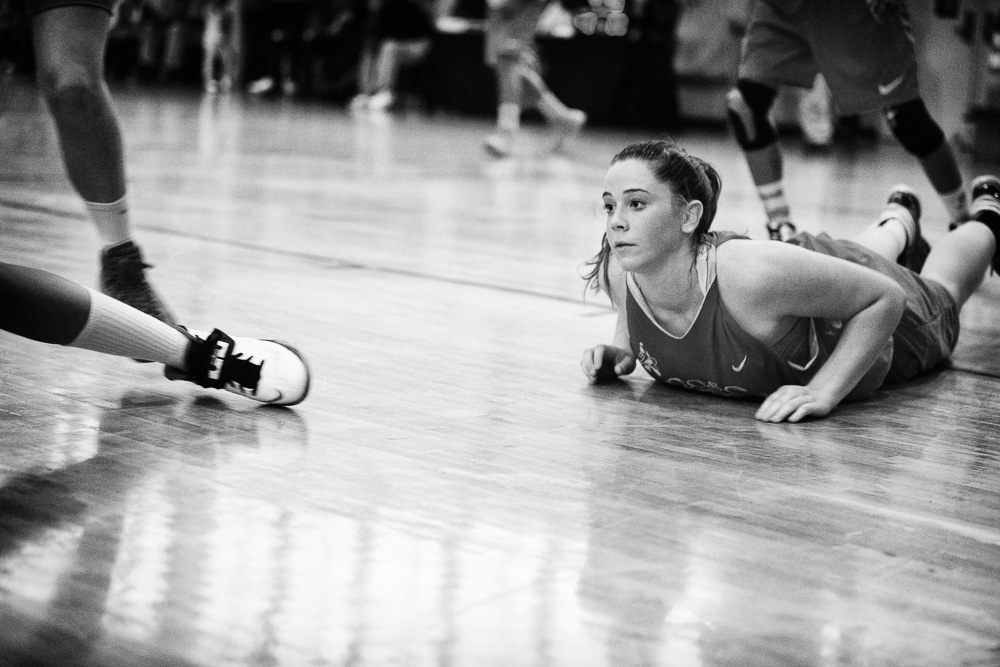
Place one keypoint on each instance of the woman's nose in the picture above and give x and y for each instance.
(618, 220)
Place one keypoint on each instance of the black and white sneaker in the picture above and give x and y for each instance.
(268, 371)
(781, 231)
(915, 253)
(985, 195)
(986, 209)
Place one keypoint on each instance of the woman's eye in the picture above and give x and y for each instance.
(609, 208)
(637, 204)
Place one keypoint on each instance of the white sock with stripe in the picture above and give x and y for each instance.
(112, 221)
(772, 196)
(115, 328)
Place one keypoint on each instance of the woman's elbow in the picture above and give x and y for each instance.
(895, 302)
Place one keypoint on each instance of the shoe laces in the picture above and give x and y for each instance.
(125, 266)
(213, 363)
(242, 373)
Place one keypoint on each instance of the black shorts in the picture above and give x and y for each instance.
(36, 7)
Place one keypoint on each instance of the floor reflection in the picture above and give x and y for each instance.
(117, 548)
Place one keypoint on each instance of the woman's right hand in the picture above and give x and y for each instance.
(606, 362)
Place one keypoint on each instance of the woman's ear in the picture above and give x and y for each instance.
(693, 211)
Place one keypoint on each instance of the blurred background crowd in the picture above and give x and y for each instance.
(621, 61)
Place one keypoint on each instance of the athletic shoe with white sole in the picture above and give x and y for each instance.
(986, 208)
(268, 371)
(499, 144)
(781, 231)
(915, 253)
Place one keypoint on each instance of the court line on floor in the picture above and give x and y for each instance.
(329, 262)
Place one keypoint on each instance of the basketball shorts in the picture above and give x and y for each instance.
(868, 65)
(36, 7)
(511, 35)
(927, 332)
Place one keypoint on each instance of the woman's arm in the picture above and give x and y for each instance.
(606, 362)
(766, 285)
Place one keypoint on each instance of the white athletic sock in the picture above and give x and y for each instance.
(111, 220)
(772, 196)
(898, 221)
(956, 203)
(115, 328)
(509, 117)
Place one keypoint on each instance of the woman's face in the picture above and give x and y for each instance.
(645, 225)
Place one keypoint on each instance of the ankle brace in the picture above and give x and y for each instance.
(211, 363)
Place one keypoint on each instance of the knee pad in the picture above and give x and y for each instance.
(748, 106)
(914, 128)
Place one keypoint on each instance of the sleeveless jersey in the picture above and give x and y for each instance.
(717, 356)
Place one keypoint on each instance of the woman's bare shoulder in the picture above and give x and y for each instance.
(764, 273)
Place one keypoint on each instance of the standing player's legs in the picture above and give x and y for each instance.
(566, 122)
(394, 56)
(211, 48)
(749, 107)
(775, 51)
(520, 86)
(923, 138)
(44, 307)
(501, 142)
(872, 65)
(367, 74)
(69, 52)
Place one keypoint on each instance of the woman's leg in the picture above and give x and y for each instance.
(69, 51)
(45, 307)
(509, 101)
(42, 306)
(960, 260)
(567, 122)
(897, 226)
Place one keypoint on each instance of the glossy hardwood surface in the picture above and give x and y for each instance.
(453, 492)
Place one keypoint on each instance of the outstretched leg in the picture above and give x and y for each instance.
(42, 306)
(69, 51)
(45, 307)
(509, 103)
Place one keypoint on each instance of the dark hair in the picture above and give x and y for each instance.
(691, 179)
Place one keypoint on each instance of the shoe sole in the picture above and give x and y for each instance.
(906, 189)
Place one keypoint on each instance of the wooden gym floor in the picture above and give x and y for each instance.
(453, 493)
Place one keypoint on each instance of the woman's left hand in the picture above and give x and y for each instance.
(792, 403)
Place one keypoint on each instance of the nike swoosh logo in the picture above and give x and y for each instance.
(742, 363)
(886, 88)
